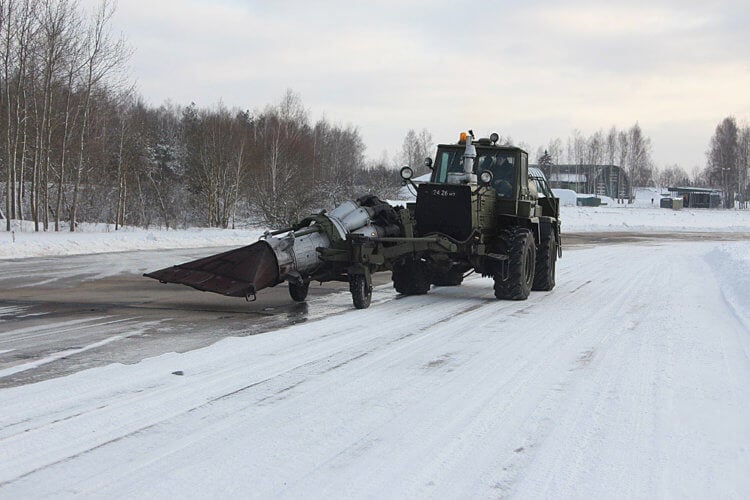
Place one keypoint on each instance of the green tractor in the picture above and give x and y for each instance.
(500, 215)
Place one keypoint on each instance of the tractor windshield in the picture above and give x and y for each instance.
(502, 164)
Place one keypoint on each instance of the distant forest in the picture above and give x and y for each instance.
(77, 143)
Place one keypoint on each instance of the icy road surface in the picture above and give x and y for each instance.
(630, 379)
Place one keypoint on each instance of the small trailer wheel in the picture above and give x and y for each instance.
(361, 291)
(298, 291)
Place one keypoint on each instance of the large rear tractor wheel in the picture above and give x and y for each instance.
(411, 277)
(298, 291)
(361, 291)
(519, 243)
(546, 258)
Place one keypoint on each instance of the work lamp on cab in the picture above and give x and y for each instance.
(406, 173)
(494, 138)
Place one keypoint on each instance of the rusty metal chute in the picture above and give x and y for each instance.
(237, 273)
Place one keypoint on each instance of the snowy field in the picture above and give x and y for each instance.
(24, 242)
(631, 379)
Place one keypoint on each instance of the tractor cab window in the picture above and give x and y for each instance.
(502, 165)
(448, 161)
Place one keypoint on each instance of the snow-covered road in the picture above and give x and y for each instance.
(630, 379)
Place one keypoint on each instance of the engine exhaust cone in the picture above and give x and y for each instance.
(237, 273)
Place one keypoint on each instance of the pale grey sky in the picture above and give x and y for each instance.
(533, 70)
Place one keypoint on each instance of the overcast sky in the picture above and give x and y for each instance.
(533, 70)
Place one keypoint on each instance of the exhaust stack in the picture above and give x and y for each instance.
(470, 153)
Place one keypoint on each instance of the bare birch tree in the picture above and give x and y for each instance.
(416, 147)
(743, 166)
(724, 159)
(103, 56)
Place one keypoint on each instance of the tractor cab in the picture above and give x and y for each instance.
(507, 164)
(483, 163)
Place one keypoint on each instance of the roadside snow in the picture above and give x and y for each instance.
(634, 219)
(732, 264)
(101, 238)
(567, 197)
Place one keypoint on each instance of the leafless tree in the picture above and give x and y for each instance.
(595, 157)
(416, 147)
(576, 154)
(103, 56)
(673, 175)
(58, 27)
(623, 149)
(380, 179)
(743, 166)
(18, 33)
(639, 163)
(282, 133)
(723, 157)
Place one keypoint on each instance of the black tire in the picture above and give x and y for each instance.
(298, 292)
(453, 277)
(546, 258)
(411, 277)
(361, 291)
(522, 261)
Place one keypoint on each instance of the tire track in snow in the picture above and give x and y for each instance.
(637, 388)
(471, 307)
(281, 384)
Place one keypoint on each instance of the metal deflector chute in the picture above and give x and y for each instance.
(237, 273)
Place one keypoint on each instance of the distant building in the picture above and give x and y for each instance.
(694, 197)
(601, 180)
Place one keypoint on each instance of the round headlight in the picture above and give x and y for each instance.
(485, 177)
(494, 137)
(406, 173)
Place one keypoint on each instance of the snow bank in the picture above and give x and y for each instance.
(101, 238)
(643, 197)
(567, 196)
(633, 219)
(732, 266)
(605, 200)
